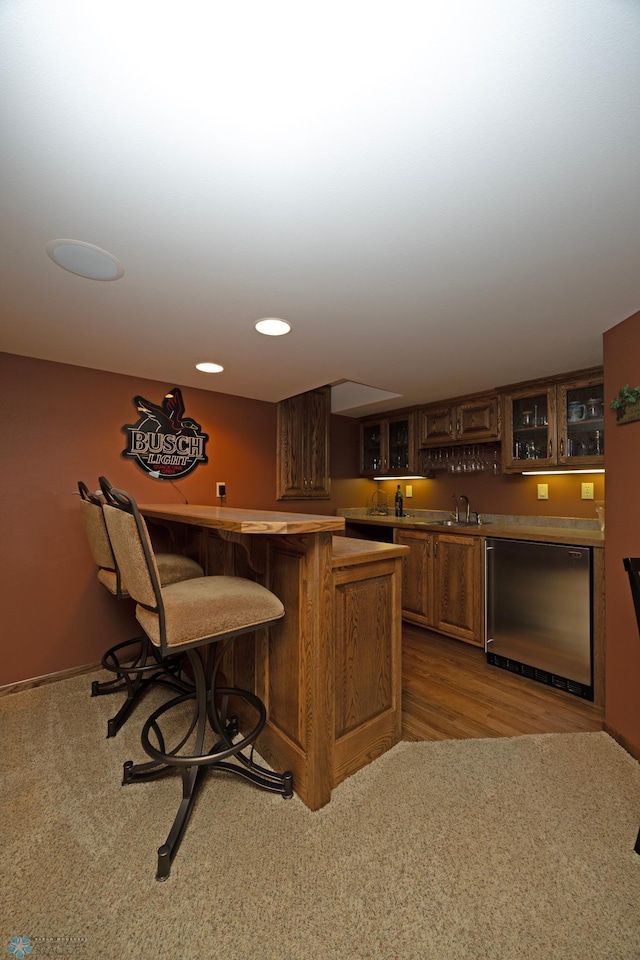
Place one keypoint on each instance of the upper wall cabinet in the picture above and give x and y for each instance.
(474, 420)
(388, 446)
(303, 446)
(558, 423)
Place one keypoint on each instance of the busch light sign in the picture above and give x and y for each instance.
(165, 443)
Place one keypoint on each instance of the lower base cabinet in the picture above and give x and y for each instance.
(442, 583)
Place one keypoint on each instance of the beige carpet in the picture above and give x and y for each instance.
(517, 849)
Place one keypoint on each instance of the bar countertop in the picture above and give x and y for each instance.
(242, 521)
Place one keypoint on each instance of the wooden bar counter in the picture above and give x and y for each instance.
(329, 672)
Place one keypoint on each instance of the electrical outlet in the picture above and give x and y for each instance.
(587, 491)
(221, 489)
(543, 491)
(408, 491)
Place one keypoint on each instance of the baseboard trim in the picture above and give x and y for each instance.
(47, 678)
(622, 740)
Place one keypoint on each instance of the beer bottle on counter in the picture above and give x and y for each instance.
(398, 502)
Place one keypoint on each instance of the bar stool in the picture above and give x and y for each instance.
(632, 566)
(135, 663)
(200, 617)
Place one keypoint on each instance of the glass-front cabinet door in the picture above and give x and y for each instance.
(371, 447)
(530, 430)
(581, 423)
(399, 446)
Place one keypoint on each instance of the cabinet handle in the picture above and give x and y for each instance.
(459, 428)
(435, 549)
(550, 448)
(562, 446)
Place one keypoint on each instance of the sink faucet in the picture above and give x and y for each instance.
(466, 500)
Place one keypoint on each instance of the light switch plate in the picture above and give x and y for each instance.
(543, 491)
(587, 491)
(408, 490)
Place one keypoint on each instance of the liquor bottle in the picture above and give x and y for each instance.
(399, 511)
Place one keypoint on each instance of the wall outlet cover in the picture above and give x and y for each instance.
(587, 491)
(221, 489)
(408, 490)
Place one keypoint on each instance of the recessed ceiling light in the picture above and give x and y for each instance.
(272, 327)
(85, 259)
(209, 367)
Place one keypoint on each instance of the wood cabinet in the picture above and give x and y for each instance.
(458, 587)
(470, 420)
(442, 583)
(554, 423)
(303, 424)
(388, 446)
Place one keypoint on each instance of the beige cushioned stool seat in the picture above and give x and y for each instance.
(205, 608)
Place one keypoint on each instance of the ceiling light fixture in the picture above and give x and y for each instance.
(209, 367)
(85, 259)
(272, 327)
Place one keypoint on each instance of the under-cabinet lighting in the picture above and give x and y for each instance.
(553, 473)
(413, 476)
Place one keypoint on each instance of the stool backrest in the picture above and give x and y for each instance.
(133, 551)
(98, 539)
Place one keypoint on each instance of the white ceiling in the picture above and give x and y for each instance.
(439, 196)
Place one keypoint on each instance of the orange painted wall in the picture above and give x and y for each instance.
(497, 494)
(622, 454)
(61, 424)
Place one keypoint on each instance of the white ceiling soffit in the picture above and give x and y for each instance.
(349, 397)
(438, 197)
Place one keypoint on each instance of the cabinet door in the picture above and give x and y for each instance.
(316, 444)
(373, 448)
(437, 426)
(530, 434)
(303, 446)
(477, 420)
(417, 576)
(458, 587)
(400, 436)
(581, 423)
(290, 450)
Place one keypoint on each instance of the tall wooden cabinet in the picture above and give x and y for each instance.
(303, 464)
(442, 583)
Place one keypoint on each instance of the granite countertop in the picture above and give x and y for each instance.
(570, 530)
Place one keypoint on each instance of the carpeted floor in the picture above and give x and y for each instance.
(513, 849)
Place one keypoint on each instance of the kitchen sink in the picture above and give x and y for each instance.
(447, 523)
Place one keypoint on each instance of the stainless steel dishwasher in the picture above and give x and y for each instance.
(538, 615)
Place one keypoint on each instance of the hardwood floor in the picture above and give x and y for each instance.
(450, 692)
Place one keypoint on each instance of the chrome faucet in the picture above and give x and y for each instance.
(466, 500)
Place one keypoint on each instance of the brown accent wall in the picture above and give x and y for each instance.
(622, 455)
(61, 424)
(510, 494)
